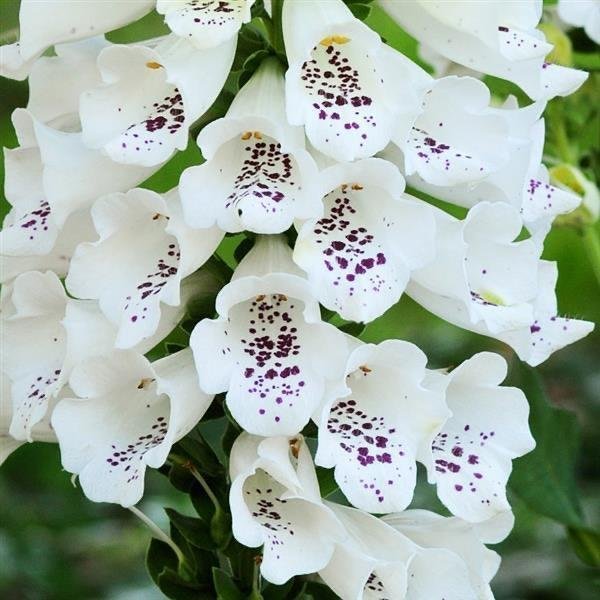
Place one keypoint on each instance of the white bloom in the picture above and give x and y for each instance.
(257, 175)
(497, 38)
(470, 458)
(485, 282)
(275, 502)
(144, 252)
(582, 13)
(266, 347)
(206, 23)
(457, 138)
(44, 24)
(372, 429)
(41, 432)
(128, 414)
(351, 91)
(373, 560)
(452, 561)
(44, 335)
(359, 256)
(151, 95)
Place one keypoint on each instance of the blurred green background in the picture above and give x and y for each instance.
(54, 544)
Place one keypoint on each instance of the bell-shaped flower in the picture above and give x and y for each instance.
(127, 414)
(151, 96)
(351, 91)
(457, 138)
(497, 38)
(372, 562)
(452, 561)
(266, 346)
(41, 432)
(359, 255)
(484, 281)
(372, 429)
(470, 458)
(44, 24)
(44, 335)
(257, 175)
(207, 23)
(275, 502)
(143, 253)
(582, 13)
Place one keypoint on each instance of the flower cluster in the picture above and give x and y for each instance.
(311, 160)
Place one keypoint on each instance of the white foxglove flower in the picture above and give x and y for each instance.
(151, 96)
(452, 561)
(350, 91)
(266, 347)
(44, 335)
(582, 13)
(275, 502)
(470, 458)
(485, 282)
(457, 138)
(442, 66)
(127, 415)
(30, 229)
(359, 255)
(372, 429)
(206, 23)
(497, 38)
(144, 252)
(257, 175)
(44, 24)
(373, 560)
(41, 432)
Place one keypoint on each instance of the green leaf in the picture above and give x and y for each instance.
(172, 585)
(317, 591)
(159, 556)
(225, 586)
(327, 483)
(544, 479)
(195, 531)
(360, 11)
(201, 454)
(586, 544)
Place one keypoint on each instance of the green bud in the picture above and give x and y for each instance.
(220, 527)
(571, 179)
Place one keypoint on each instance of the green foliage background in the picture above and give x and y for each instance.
(54, 544)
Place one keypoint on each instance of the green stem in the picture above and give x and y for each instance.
(591, 243)
(277, 32)
(205, 486)
(158, 532)
(561, 137)
(256, 594)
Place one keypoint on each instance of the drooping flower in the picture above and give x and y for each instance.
(41, 432)
(351, 91)
(257, 175)
(151, 96)
(206, 23)
(372, 429)
(127, 415)
(483, 281)
(275, 502)
(143, 254)
(359, 255)
(452, 561)
(470, 458)
(44, 24)
(265, 348)
(497, 38)
(44, 336)
(582, 13)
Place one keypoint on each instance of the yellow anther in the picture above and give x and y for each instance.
(492, 298)
(334, 39)
(246, 135)
(295, 447)
(260, 298)
(282, 297)
(356, 186)
(144, 383)
(153, 65)
(365, 369)
(157, 216)
(258, 135)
